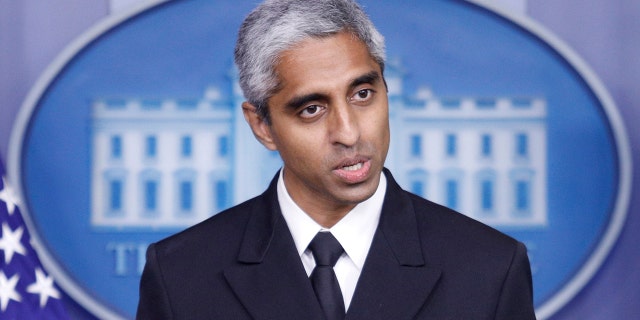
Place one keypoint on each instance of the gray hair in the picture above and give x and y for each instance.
(278, 25)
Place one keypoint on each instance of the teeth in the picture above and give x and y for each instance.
(354, 167)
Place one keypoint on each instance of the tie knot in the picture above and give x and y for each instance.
(325, 249)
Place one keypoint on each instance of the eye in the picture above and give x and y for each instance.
(311, 111)
(362, 95)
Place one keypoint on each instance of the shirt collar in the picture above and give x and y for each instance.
(354, 232)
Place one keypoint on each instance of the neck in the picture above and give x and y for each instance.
(327, 218)
(323, 210)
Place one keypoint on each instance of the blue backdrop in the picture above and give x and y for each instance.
(600, 31)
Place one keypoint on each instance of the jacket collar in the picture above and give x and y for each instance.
(396, 280)
(271, 282)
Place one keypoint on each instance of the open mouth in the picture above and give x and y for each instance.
(354, 171)
(354, 167)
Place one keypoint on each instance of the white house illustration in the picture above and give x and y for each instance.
(174, 162)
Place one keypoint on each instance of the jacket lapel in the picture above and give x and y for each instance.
(269, 278)
(395, 281)
(271, 283)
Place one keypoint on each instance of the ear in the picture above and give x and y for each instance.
(261, 129)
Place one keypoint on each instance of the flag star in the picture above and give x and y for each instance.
(44, 287)
(10, 242)
(8, 196)
(8, 290)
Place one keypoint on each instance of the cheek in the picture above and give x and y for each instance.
(298, 146)
(377, 126)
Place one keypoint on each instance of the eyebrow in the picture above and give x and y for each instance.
(295, 102)
(370, 78)
(298, 101)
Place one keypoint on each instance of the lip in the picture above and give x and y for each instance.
(354, 174)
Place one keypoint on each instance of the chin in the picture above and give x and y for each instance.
(361, 195)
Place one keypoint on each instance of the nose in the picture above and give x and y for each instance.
(344, 127)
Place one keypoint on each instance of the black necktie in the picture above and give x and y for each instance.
(326, 250)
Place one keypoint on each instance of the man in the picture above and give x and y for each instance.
(312, 74)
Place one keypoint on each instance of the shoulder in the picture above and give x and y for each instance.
(228, 225)
(220, 234)
(476, 261)
(451, 233)
(458, 237)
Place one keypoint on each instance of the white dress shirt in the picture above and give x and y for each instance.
(354, 232)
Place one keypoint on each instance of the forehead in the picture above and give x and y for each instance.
(324, 62)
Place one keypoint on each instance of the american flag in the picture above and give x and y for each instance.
(26, 290)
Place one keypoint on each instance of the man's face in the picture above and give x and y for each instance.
(329, 121)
